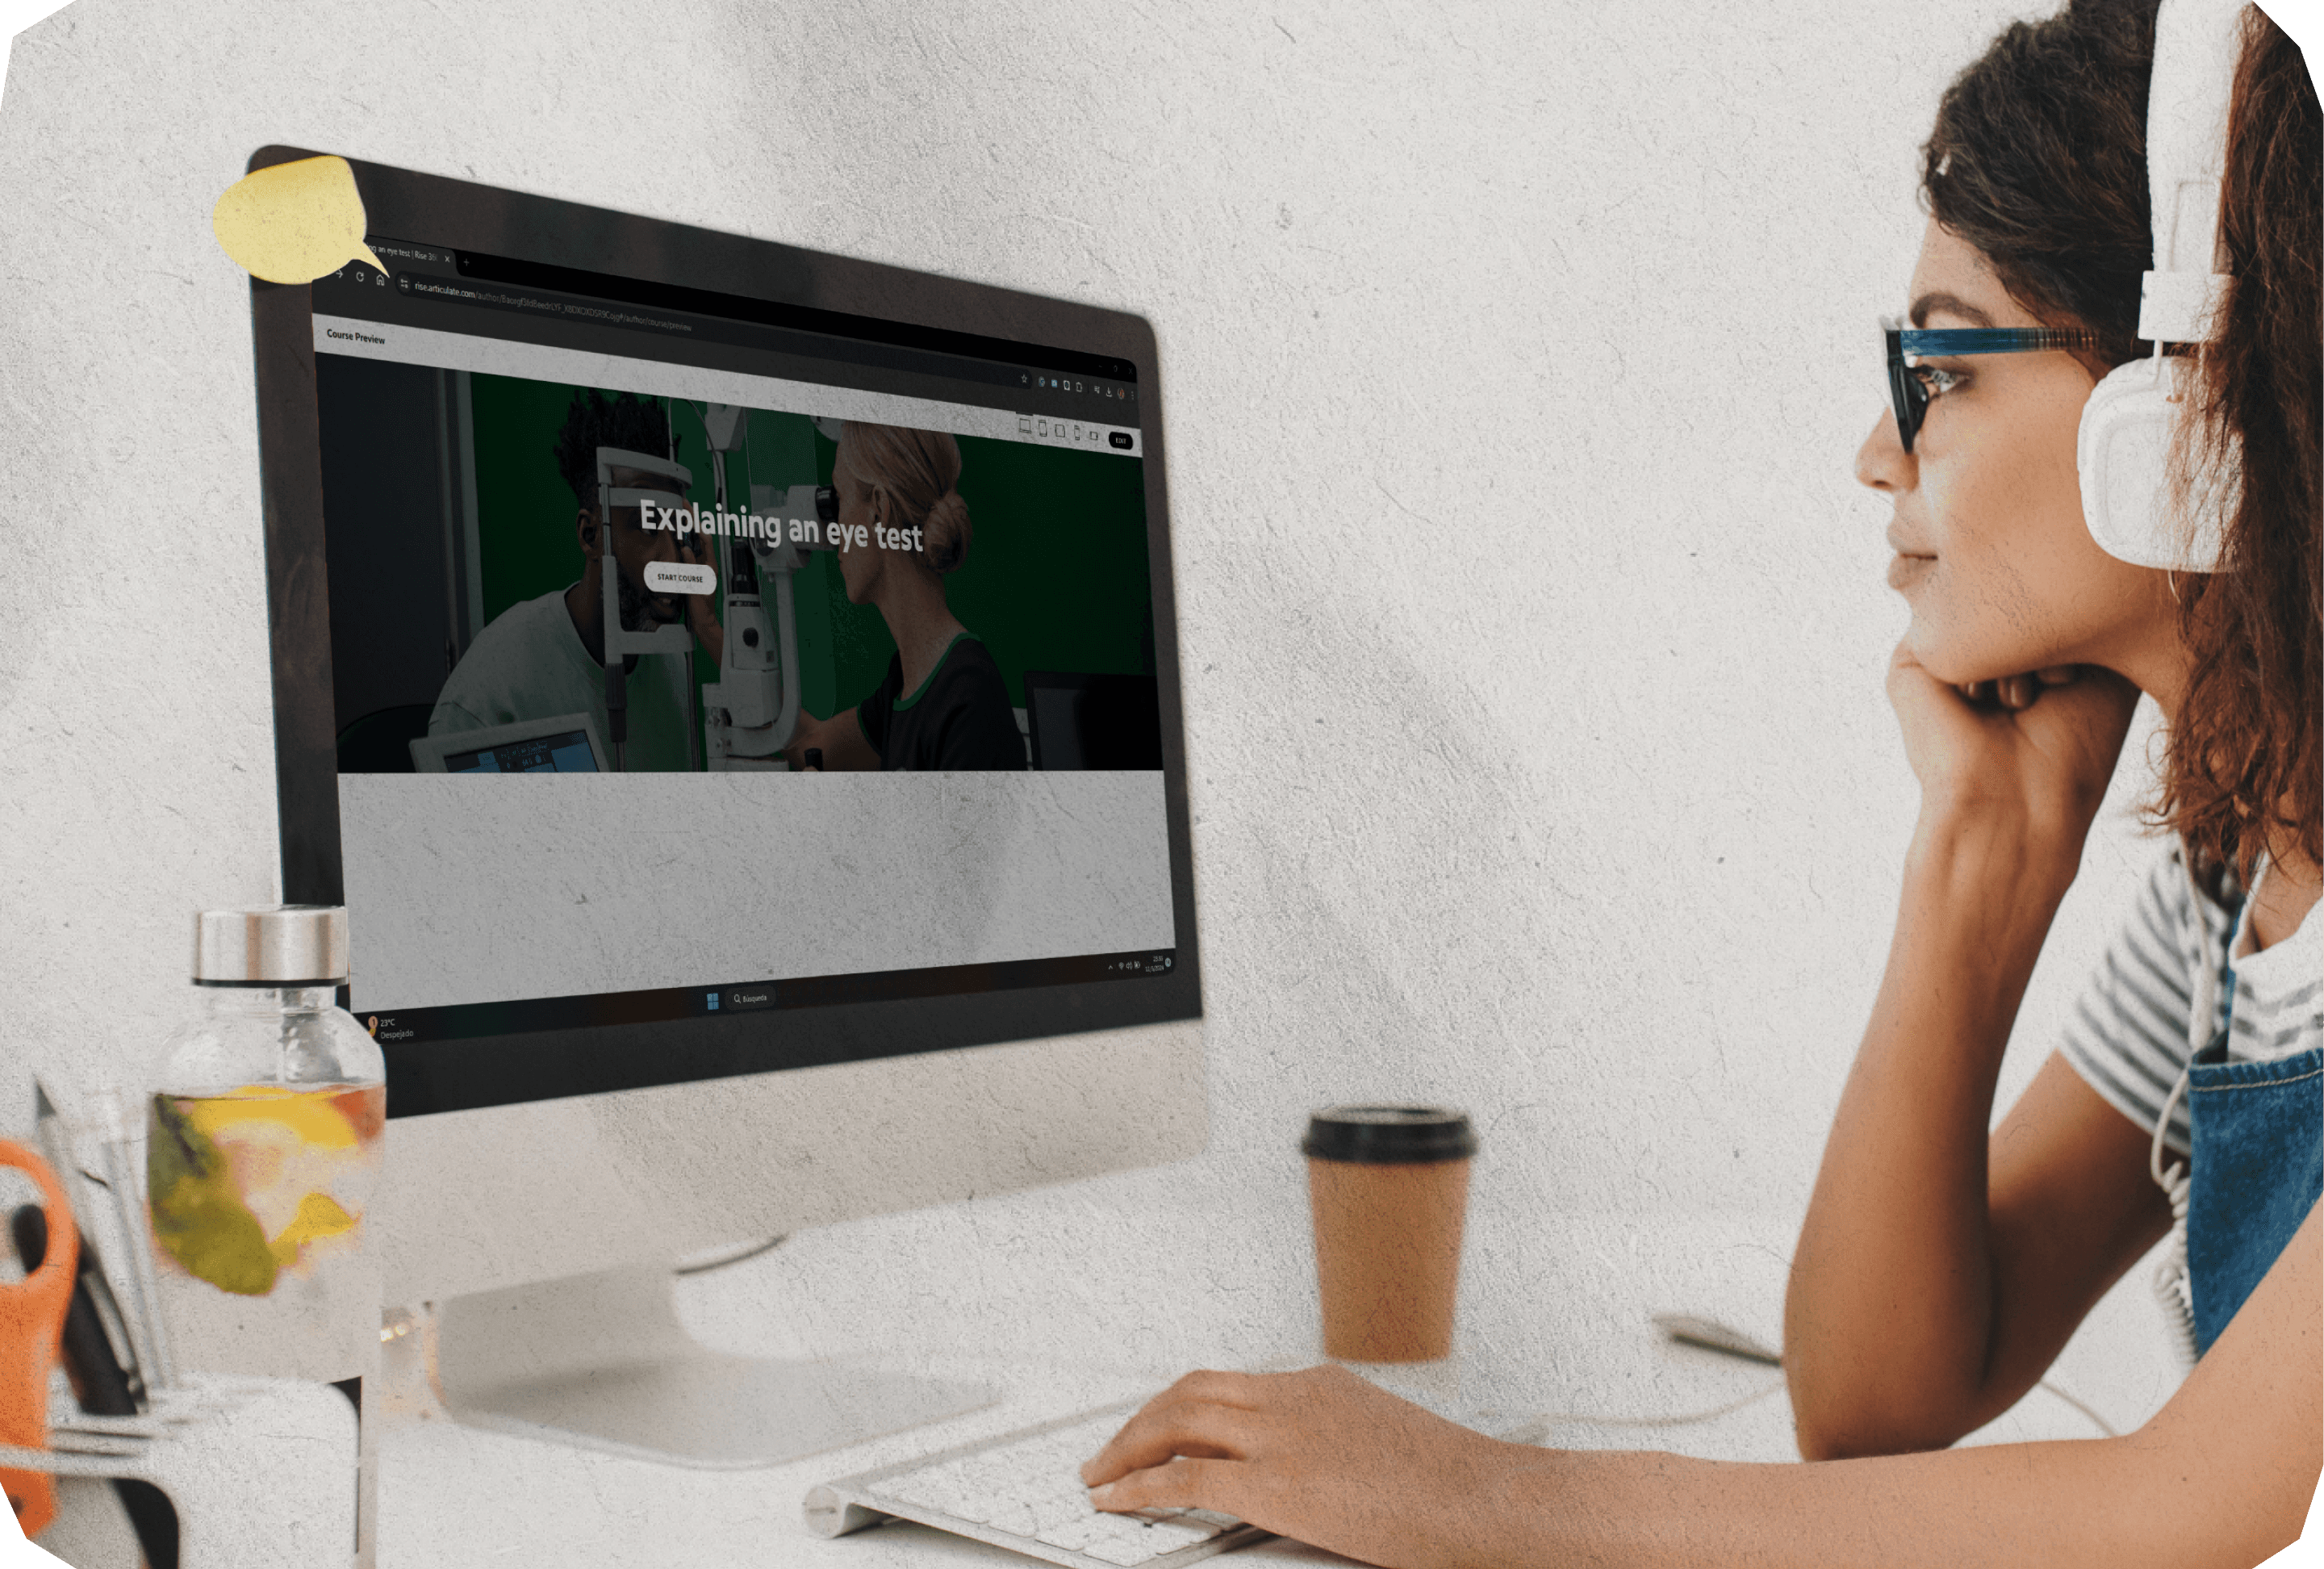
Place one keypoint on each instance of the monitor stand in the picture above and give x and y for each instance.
(602, 1362)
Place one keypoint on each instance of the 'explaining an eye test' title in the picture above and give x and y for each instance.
(688, 518)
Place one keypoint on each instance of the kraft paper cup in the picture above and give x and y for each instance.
(1389, 1186)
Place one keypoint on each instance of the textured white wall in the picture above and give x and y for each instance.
(1513, 358)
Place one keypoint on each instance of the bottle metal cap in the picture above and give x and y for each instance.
(1388, 1135)
(291, 945)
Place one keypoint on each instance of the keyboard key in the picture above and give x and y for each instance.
(976, 1510)
(1061, 1511)
(1173, 1535)
(1073, 1535)
(1014, 1518)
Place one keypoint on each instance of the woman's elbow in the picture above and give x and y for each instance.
(1852, 1424)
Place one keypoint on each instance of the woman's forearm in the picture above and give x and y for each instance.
(1888, 1318)
(2222, 1476)
(2121, 1503)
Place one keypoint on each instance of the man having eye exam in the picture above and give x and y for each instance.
(545, 657)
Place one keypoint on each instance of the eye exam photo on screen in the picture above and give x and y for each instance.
(1457, 785)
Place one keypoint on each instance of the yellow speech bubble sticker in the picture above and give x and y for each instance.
(294, 221)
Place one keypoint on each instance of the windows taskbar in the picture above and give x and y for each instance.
(476, 1020)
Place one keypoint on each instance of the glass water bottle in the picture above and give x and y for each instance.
(263, 1144)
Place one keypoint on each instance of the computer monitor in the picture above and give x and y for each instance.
(694, 500)
(560, 743)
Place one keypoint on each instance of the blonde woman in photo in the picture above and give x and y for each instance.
(942, 704)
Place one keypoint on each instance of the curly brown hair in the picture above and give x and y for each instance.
(2038, 159)
(2246, 765)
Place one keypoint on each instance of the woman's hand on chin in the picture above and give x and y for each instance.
(1319, 1456)
(2031, 753)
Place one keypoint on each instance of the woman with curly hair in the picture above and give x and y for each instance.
(1942, 1267)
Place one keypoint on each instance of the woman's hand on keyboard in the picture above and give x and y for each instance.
(1319, 1456)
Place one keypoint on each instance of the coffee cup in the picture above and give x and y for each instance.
(1389, 1188)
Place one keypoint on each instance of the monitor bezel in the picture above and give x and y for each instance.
(426, 1078)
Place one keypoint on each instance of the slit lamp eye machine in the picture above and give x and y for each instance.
(750, 712)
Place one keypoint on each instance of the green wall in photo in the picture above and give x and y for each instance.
(524, 512)
(1056, 576)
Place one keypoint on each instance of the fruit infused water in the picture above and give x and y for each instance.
(266, 1182)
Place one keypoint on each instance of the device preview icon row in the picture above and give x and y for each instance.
(1045, 430)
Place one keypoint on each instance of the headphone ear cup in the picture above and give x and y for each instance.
(2123, 453)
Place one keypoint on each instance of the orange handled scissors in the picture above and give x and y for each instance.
(31, 1333)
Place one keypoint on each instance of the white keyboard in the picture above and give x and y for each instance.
(1023, 1490)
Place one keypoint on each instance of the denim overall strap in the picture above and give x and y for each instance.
(2257, 1169)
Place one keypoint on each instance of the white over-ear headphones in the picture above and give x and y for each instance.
(2123, 447)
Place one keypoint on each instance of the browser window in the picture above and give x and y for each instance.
(647, 604)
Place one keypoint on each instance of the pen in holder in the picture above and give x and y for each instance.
(118, 1159)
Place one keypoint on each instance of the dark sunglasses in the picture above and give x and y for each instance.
(1911, 386)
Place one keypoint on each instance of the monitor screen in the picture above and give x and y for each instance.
(649, 541)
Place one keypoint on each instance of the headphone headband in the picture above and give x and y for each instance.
(2197, 43)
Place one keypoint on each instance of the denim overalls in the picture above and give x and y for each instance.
(2256, 1130)
(2258, 1166)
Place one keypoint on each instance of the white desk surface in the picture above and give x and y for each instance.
(1102, 1291)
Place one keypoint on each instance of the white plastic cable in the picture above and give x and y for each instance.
(2173, 1288)
(1538, 1428)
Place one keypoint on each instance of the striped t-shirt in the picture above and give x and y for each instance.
(2128, 1036)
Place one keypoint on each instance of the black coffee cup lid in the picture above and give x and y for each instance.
(1388, 1135)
